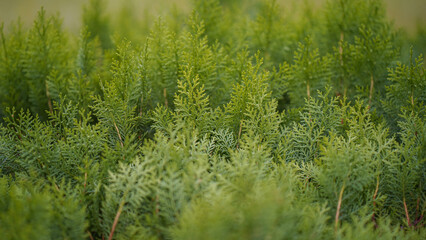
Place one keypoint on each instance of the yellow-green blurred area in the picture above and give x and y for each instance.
(71, 11)
(408, 14)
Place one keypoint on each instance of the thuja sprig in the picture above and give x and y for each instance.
(192, 103)
(408, 80)
(372, 54)
(309, 71)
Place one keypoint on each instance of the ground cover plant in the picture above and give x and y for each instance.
(237, 120)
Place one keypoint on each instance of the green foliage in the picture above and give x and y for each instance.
(309, 72)
(37, 62)
(192, 104)
(363, 228)
(265, 212)
(345, 17)
(14, 90)
(251, 107)
(406, 91)
(152, 191)
(371, 54)
(237, 120)
(211, 14)
(271, 35)
(35, 212)
(300, 140)
(163, 64)
(206, 61)
(84, 82)
(405, 178)
(97, 22)
(349, 169)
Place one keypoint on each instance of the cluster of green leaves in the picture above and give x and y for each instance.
(234, 121)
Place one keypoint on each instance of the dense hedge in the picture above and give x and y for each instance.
(238, 120)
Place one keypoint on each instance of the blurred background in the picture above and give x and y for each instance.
(71, 11)
(408, 14)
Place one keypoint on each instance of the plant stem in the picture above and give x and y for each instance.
(339, 204)
(239, 133)
(85, 182)
(406, 212)
(241, 128)
(119, 136)
(371, 89)
(374, 202)
(166, 103)
(308, 91)
(90, 235)
(117, 216)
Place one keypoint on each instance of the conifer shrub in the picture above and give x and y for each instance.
(236, 120)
